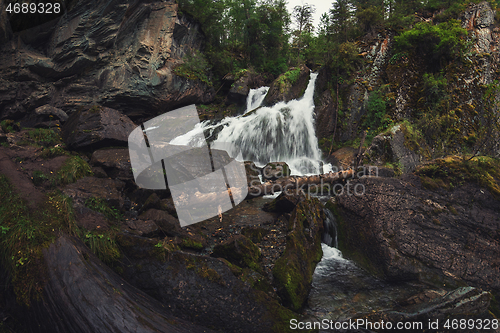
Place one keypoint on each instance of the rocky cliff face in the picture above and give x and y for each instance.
(400, 75)
(113, 53)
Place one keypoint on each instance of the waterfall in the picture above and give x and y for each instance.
(329, 236)
(255, 98)
(283, 132)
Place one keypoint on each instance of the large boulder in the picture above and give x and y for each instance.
(202, 289)
(288, 86)
(96, 126)
(401, 231)
(293, 271)
(84, 295)
(122, 58)
(45, 116)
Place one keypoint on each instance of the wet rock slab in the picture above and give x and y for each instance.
(443, 237)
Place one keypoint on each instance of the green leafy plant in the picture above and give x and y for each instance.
(101, 206)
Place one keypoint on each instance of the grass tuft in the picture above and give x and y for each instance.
(73, 169)
(23, 235)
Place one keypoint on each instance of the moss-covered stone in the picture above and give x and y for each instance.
(255, 234)
(293, 271)
(453, 171)
(240, 251)
(349, 242)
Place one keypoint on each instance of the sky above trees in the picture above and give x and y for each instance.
(321, 6)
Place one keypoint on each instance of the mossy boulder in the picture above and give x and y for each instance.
(204, 290)
(293, 271)
(288, 86)
(240, 251)
(397, 148)
(240, 88)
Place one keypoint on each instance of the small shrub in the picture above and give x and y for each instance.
(287, 79)
(8, 126)
(73, 169)
(443, 41)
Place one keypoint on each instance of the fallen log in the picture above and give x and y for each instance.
(267, 188)
(291, 183)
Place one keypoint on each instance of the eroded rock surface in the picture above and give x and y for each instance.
(121, 58)
(402, 231)
(77, 300)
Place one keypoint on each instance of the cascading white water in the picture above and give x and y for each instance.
(283, 132)
(255, 98)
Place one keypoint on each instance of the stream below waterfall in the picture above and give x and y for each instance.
(341, 290)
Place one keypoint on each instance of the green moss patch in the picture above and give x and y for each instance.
(453, 171)
(287, 79)
(73, 169)
(240, 251)
(293, 271)
(24, 233)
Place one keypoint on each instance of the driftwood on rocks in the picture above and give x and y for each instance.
(290, 183)
(270, 187)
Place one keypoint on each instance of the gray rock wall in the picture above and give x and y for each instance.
(111, 53)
